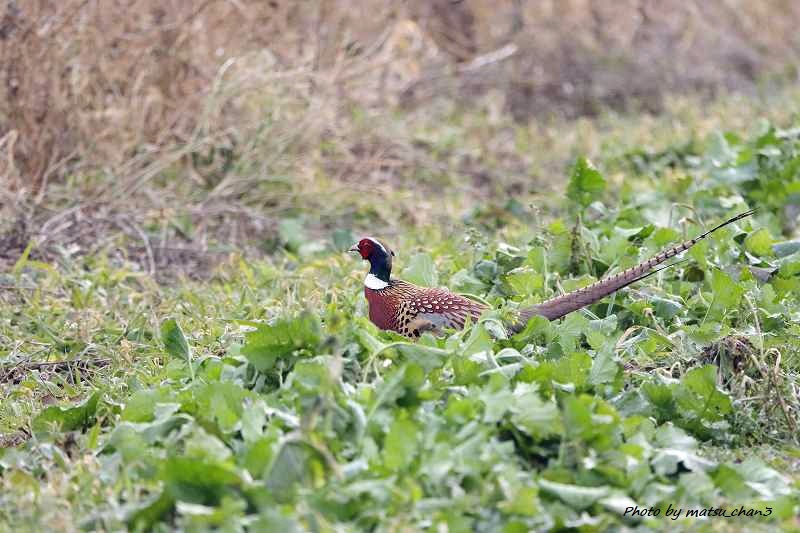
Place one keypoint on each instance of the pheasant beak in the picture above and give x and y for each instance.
(354, 248)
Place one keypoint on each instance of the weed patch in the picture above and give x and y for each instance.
(263, 397)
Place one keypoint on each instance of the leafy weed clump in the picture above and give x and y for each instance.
(264, 399)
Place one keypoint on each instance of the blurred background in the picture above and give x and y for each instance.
(188, 125)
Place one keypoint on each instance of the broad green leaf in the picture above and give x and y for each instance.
(421, 270)
(617, 502)
(221, 403)
(466, 371)
(268, 343)
(698, 395)
(585, 183)
(258, 455)
(731, 483)
(207, 515)
(538, 328)
(573, 369)
(192, 480)
(759, 242)
(426, 357)
(635, 233)
(660, 396)
(666, 461)
(766, 482)
(671, 436)
(699, 254)
(62, 419)
(149, 512)
(486, 271)
(508, 257)
(734, 175)
(478, 341)
(561, 247)
(786, 248)
(311, 378)
(496, 402)
(371, 343)
(697, 486)
(789, 267)
(665, 236)
(296, 463)
(570, 330)
(537, 259)
(577, 415)
(604, 368)
(496, 329)
(273, 519)
(676, 447)
(174, 340)
(465, 282)
(720, 152)
(524, 501)
(727, 293)
(525, 281)
(536, 417)
(400, 445)
(576, 496)
(200, 445)
(666, 308)
(140, 407)
(131, 439)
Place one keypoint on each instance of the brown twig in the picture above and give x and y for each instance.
(14, 373)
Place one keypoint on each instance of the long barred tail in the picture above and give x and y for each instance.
(572, 301)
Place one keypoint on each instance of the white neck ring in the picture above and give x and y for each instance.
(373, 282)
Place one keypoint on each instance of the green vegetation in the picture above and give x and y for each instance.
(262, 397)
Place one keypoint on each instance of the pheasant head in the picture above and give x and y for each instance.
(380, 261)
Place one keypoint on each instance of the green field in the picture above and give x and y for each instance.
(241, 386)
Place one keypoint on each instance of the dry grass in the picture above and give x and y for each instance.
(228, 115)
(589, 55)
(84, 87)
(111, 87)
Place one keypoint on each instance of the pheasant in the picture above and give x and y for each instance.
(408, 309)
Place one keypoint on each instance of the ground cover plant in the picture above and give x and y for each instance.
(261, 396)
(184, 343)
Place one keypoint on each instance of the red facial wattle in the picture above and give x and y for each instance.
(365, 248)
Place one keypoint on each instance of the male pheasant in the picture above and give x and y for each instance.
(409, 309)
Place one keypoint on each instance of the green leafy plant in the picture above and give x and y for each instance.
(270, 402)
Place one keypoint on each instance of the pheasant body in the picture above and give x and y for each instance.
(409, 310)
